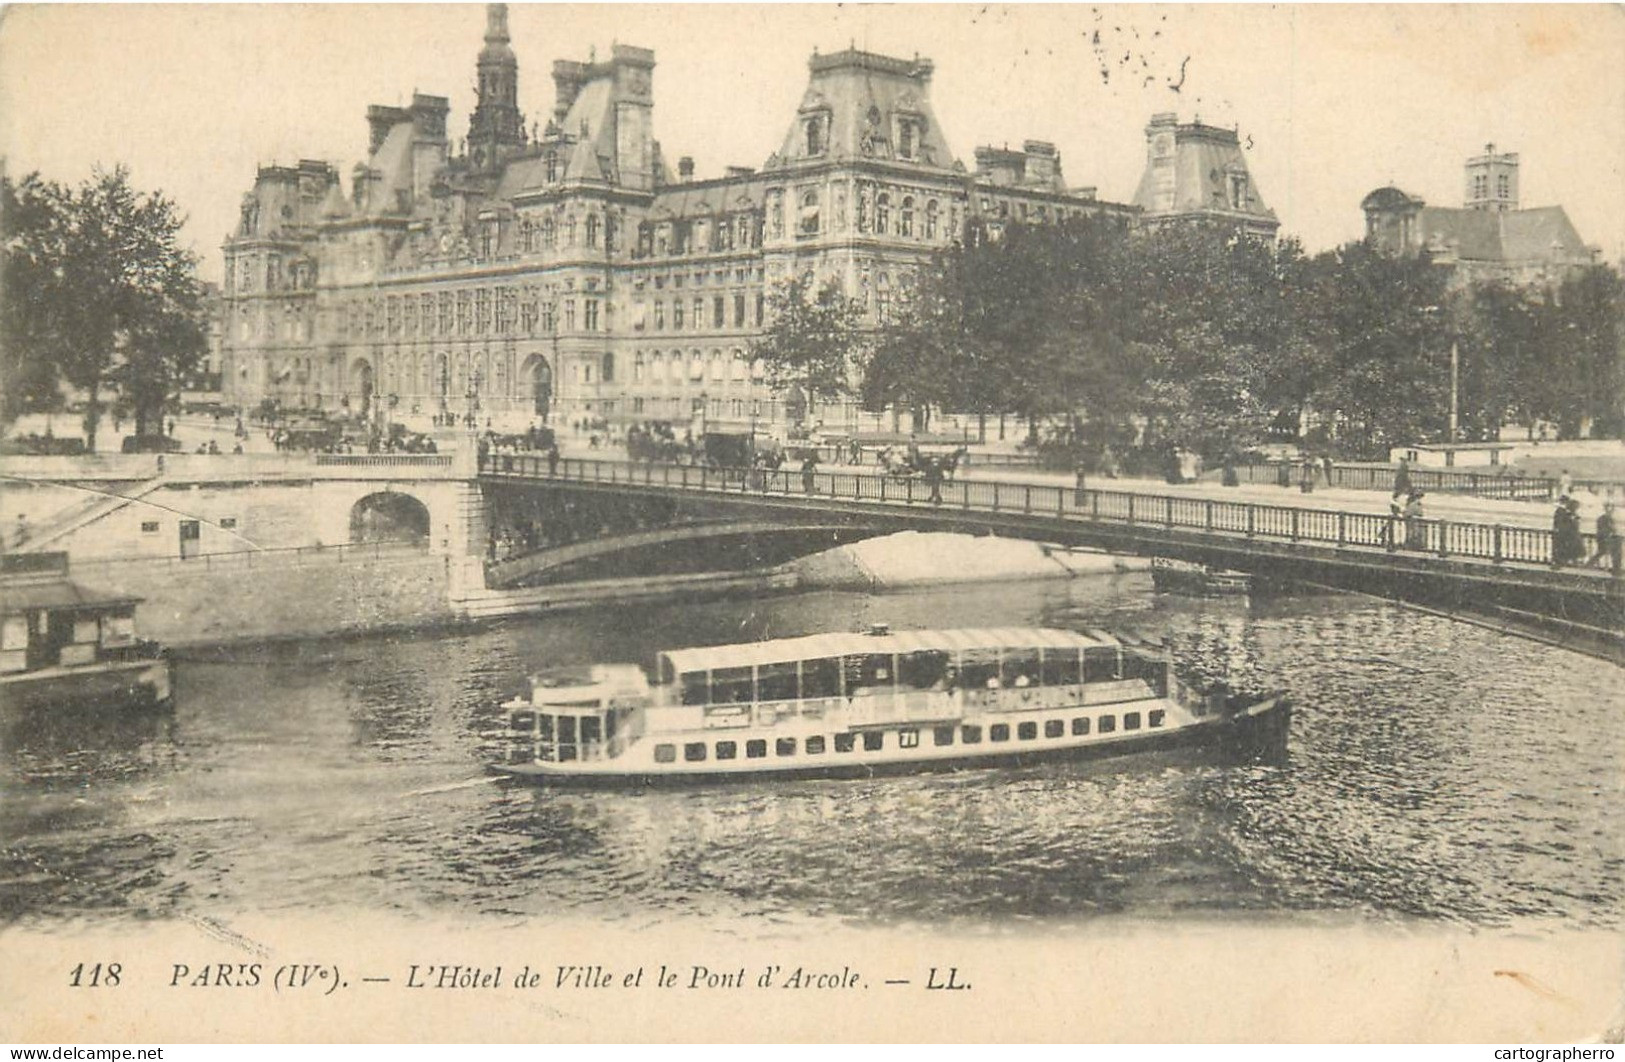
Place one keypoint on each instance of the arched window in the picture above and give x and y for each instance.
(657, 366)
(883, 213)
(570, 232)
(905, 221)
(717, 371)
(696, 365)
(815, 135)
(592, 230)
(931, 219)
(736, 368)
(549, 233)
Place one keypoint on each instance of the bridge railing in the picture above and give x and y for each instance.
(1442, 538)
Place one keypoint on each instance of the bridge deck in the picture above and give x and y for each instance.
(1248, 534)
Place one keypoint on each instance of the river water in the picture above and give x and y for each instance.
(1435, 772)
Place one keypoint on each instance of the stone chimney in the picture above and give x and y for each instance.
(685, 169)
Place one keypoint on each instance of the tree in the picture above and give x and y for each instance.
(100, 294)
(814, 340)
(1384, 330)
(30, 232)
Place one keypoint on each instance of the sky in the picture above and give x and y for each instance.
(1332, 101)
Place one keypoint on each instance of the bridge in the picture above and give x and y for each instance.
(1487, 569)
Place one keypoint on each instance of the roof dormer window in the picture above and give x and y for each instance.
(816, 128)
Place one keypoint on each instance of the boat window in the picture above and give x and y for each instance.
(1054, 728)
(785, 747)
(1080, 726)
(999, 732)
(668, 674)
(976, 666)
(1148, 669)
(820, 678)
(776, 682)
(544, 727)
(567, 729)
(591, 729)
(1100, 665)
(567, 752)
(1019, 667)
(908, 739)
(1027, 731)
(731, 685)
(970, 735)
(665, 753)
(873, 740)
(694, 751)
(845, 742)
(871, 669)
(522, 721)
(696, 687)
(755, 749)
(1061, 667)
(1131, 720)
(1108, 723)
(922, 670)
(727, 750)
(1156, 717)
(815, 745)
(943, 735)
(610, 723)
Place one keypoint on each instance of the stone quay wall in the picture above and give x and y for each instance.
(270, 594)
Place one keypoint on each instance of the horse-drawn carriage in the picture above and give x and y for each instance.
(906, 463)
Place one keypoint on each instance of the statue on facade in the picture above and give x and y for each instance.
(251, 214)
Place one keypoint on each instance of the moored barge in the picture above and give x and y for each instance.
(63, 644)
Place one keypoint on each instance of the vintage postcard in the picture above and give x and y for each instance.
(550, 523)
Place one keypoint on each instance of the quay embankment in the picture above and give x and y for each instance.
(264, 595)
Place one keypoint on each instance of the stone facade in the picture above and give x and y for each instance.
(562, 272)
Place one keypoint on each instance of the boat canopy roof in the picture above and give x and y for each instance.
(63, 595)
(854, 643)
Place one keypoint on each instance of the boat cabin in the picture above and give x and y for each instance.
(585, 714)
(880, 678)
(48, 621)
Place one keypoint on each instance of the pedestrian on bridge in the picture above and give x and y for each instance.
(1609, 539)
(809, 468)
(1415, 532)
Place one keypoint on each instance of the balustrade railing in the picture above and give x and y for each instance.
(1285, 523)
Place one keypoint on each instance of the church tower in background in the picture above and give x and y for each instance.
(1492, 181)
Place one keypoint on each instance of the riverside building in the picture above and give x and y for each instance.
(560, 270)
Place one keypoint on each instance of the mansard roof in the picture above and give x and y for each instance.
(698, 199)
(862, 94)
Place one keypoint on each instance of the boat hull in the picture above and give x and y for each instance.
(1258, 731)
(127, 684)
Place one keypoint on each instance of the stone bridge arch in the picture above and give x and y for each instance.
(390, 516)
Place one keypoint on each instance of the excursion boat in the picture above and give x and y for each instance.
(1182, 577)
(63, 644)
(857, 704)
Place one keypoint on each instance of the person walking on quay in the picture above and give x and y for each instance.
(1565, 484)
(809, 468)
(1402, 478)
(1415, 532)
(1306, 482)
(553, 459)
